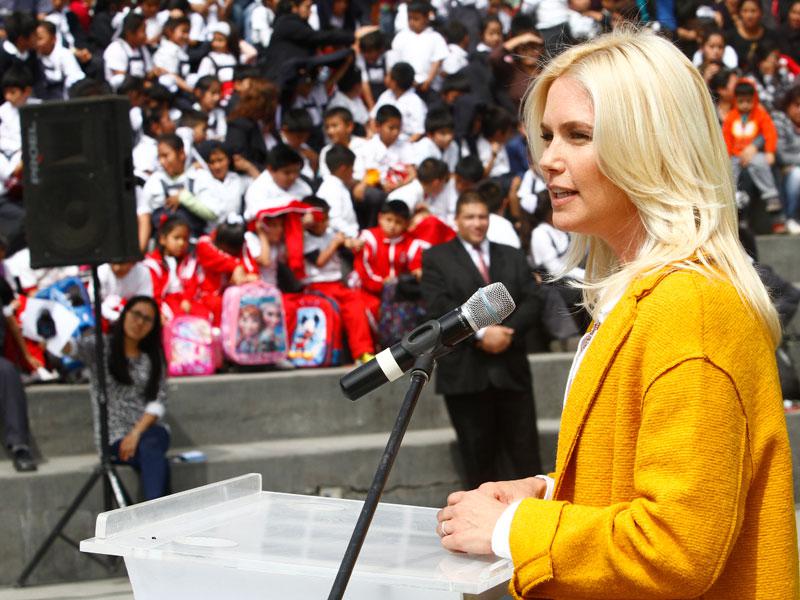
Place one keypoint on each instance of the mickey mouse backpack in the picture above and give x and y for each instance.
(317, 332)
(253, 324)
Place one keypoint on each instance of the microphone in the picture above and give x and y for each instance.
(489, 305)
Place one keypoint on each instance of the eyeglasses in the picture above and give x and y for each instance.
(147, 319)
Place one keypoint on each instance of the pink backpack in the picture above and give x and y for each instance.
(190, 347)
(253, 324)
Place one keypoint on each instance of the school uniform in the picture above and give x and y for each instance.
(227, 194)
(375, 155)
(220, 65)
(217, 267)
(217, 123)
(457, 58)
(120, 56)
(420, 50)
(265, 193)
(315, 103)
(10, 56)
(501, 231)
(355, 105)
(116, 290)
(60, 71)
(529, 189)
(426, 148)
(197, 210)
(341, 215)
(327, 279)
(175, 281)
(10, 132)
(442, 206)
(355, 145)
(501, 166)
(383, 257)
(373, 74)
(412, 109)
(173, 59)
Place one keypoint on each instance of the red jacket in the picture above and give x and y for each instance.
(739, 134)
(383, 257)
(188, 272)
(218, 265)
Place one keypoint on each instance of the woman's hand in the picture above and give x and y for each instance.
(127, 447)
(467, 522)
(511, 491)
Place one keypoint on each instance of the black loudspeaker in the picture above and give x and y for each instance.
(80, 203)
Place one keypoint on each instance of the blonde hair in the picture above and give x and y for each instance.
(657, 138)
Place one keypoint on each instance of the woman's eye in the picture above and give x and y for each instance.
(547, 137)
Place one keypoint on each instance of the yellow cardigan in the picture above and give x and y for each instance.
(673, 473)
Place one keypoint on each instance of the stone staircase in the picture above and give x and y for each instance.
(295, 428)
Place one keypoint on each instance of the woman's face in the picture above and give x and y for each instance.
(584, 200)
(713, 48)
(139, 320)
(750, 14)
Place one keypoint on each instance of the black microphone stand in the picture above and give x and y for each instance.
(112, 486)
(427, 348)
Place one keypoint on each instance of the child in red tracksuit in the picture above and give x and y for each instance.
(323, 273)
(175, 271)
(388, 252)
(225, 261)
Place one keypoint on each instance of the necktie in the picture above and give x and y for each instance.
(482, 268)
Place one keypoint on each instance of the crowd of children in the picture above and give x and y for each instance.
(320, 147)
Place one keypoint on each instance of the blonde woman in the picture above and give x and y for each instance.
(673, 476)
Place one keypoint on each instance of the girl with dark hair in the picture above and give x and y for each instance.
(135, 381)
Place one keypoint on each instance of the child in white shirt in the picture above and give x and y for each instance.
(17, 89)
(207, 92)
(171, 56)
(128, 55)
(222, 59)
(439, 139)
(59, 66)
(385, 159)
(338, 127)
(431, 193)
(400, 93)
(457, 38)
(335, 190)
(348, 95)
(279, 184)
(421, 46)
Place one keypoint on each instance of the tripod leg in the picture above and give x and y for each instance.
(120, 493)
(62, 522)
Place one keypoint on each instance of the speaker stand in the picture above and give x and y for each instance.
(113, 490)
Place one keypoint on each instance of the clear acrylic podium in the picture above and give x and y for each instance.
(233, 540)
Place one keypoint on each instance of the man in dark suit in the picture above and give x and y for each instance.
(486, 381)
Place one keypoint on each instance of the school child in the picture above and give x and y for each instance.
(388, 252)
(155, 123)
(400, 93)
(323, 266)
(296, 129)
(133, 88)
(207, 95)
(119, 282)
(468, 173)
(338, 127)
(128, 55)
(431, 193)
(279, 184)
(387, 161)
(335, 190)
(58, 66)
(348, 95)
(371, 61)
(420, 46)
(192, 129)
(439, 139)
(17, 86)
(501, 230)
(225, 186)
(20, 42)
(221, 61)
(153, 21)
(714, 50)
(457, 38)
(172, 59)
(224, 261)
(262, 17)
(772, 79)
(172, 189)
(174, 271)
(747, 121)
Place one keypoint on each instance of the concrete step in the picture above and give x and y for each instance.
(267, 406)
(782, 253)
(426, 471)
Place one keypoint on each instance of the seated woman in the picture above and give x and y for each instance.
(135, 371)
(673, 477)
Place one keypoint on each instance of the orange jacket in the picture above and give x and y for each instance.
(739, 134)
(673, 472)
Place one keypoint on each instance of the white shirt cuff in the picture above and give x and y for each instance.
(551, 484)
(480, 333)
(155, 408)
(501, 544)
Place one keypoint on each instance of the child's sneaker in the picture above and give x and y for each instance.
(793, 227)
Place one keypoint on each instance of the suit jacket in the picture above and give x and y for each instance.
(673, 472)
(449, 278)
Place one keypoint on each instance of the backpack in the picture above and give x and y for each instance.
(190, 347)
(316, 331)
(258, 307)
(399, 313)
(71, 293)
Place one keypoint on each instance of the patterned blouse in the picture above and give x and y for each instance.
(126, 403)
